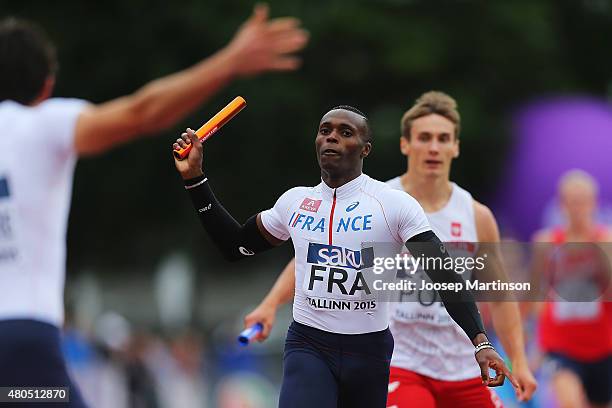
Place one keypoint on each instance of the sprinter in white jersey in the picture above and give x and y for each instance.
(40, 141)
(432, 362)
(338, 348)
(435, 361)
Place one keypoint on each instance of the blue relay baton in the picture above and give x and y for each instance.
(249, 333)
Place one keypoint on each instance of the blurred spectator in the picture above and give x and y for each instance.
(179, 371)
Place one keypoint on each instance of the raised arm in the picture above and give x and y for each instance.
(260, 45)
(234, 240)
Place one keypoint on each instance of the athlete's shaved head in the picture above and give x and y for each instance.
(27, 60)
(367, 129)
(350, 108)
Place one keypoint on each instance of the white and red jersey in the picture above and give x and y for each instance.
(330, 229)
(427, 340)
(580, 330)
(37, 160)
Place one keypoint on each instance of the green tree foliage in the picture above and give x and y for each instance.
(379, 55)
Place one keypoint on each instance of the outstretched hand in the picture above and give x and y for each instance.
(191, 166)
(488, 358)
(266, 45)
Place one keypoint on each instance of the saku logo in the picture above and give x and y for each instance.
(331, 255)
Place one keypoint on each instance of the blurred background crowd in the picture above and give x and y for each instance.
(152, 309)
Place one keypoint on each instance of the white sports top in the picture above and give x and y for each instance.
(427, 340)
(329, 228)
(37, 162)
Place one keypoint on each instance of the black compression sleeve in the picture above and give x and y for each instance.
(460, 305)
(234, 240)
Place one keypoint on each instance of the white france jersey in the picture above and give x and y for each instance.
(37, 162)
(427, 340)
(328, 227)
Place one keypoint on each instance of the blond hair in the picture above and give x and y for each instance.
(429, 103)
(578, 177)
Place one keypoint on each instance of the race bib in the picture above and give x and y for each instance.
(564, 311)
(338, 278)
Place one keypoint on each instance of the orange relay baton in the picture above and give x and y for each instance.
(215, 123)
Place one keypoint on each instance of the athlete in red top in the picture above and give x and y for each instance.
(575, 329)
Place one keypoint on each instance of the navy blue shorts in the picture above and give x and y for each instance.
(596, 376)
(31, 356)
(330, 370)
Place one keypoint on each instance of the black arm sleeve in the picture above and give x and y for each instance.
(234, 240)
(460, 305)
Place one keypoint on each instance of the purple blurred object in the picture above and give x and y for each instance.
(551, 137)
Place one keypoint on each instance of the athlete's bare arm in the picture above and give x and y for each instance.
(538, 260)
(506, 315)
(282, 292)
(259, 45)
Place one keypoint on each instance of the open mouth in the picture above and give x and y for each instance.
(433, 162)
(330, 152)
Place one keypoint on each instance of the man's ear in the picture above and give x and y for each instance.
(404, 146)
(457, 150)
(367, 148)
